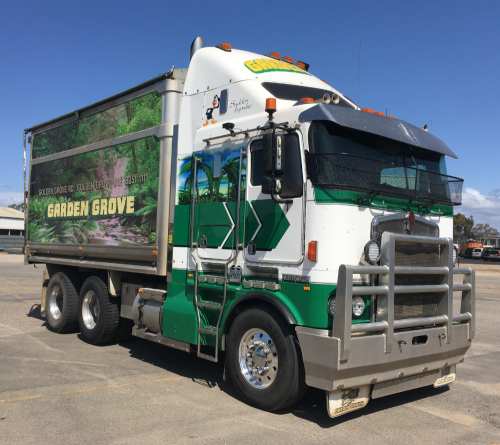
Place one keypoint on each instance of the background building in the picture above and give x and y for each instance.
(11, 228)
(491, 240)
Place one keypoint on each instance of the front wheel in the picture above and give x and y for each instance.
(98, 313)
(264, 361)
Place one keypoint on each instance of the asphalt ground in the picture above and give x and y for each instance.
(476, 261)
(57, 389)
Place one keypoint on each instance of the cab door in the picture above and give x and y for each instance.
(218, 183)
(274, 232)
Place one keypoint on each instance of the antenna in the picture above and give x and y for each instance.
(359, 69)
(431, 122)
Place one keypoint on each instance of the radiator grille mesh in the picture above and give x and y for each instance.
(418, 304)
(417, 255)
(415, 305)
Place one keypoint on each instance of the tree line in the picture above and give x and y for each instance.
(464, 228)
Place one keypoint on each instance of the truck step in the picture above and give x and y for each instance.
(209, 305)
(207, 357)
(212, 330)
(211, 279)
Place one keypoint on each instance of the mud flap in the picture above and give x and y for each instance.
(447, 376)
(346, 400)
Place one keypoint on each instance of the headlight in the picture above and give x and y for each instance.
(358, 306)
(331, 306)
(455, 255)
(372, 252)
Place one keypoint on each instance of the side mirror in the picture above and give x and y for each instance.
(267, 185)
(273, 154)
(267, 153)
(273, 166)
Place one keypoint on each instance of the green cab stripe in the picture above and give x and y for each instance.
(326, 196)
(308, 307)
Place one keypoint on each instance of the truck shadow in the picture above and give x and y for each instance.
(188, 365)
(313, 406)
(34, 312)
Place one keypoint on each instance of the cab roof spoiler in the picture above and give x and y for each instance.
(395, 129)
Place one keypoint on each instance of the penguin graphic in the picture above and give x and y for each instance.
(209, 113)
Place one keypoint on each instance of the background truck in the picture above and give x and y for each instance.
(242, 206)
(469, 245)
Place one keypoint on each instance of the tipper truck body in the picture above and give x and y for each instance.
(243, 208)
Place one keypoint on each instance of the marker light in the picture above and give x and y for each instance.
(324, 81)
(368, 110)
(274, 55)
(287, 59)
(372, 252)
(224, 46)
(391, 116)
(303, 65)
(358, 306)
(307, 100)
(379, 113)
(270, 105)
(312, 251)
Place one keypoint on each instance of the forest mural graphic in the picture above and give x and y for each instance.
(107, 196)
(210, 189)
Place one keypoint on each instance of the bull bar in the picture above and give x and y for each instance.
(364, 353)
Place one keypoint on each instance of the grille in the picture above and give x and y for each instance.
(415, 305)
(416, 255)
(401, 225)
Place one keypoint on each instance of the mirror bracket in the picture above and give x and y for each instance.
(281, 201)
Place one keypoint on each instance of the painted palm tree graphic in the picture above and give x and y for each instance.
(208, 188)
(206, 166)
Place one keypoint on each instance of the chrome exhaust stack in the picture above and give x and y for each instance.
(197, 44)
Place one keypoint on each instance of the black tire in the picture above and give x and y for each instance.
(61, 304)
(104, 319)
(288, 385)
(124, 331)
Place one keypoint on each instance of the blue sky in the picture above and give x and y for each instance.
(419, 60)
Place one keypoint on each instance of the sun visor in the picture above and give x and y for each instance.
(387, 127)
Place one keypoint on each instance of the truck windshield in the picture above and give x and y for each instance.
(344, 158)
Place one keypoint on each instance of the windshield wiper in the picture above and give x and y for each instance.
(368, 195)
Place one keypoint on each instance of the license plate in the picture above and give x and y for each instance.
(448, 375)
(347, 400)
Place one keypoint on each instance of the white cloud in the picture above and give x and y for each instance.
(7, 198)
(484, 208)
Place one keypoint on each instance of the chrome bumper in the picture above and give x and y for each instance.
(367, 353)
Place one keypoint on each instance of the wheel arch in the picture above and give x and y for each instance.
(255, 299)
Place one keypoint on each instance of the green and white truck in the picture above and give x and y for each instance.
(243, 208)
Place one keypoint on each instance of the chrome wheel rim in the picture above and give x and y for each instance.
(90, 310)
(56, 302)
(258, 358)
